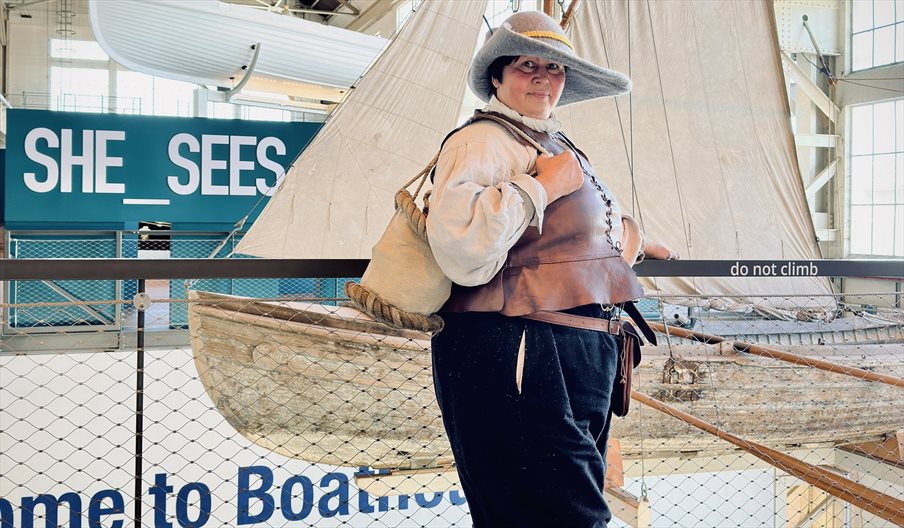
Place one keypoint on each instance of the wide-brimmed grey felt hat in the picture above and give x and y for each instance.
(536, 34)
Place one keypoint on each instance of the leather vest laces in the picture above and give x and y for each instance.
(572, 263)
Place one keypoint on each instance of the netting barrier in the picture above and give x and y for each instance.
(289, 409)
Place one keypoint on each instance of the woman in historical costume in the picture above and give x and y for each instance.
(525, 236)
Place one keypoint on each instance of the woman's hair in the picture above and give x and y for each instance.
(495, 69)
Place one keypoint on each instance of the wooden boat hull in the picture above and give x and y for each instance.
(335, 388)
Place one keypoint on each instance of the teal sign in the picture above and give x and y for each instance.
(79, 168)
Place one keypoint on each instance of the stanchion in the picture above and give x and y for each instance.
(141, 302)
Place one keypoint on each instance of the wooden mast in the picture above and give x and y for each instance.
(863, 497)
(549, 7)
(566, 18)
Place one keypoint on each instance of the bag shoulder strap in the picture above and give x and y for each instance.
(508, 125)
(443, 144)
(570, 144)
(405, 200)
(479, 115)
(430, 169)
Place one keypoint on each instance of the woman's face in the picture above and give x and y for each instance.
(531, 86)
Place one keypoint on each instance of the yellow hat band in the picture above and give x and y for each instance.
(550, 35)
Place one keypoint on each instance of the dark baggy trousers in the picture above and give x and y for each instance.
(534, 458)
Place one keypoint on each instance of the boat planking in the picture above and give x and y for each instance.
(328, 385)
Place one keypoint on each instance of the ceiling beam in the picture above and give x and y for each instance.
(821, 179)
(810, 88)
(28, 3)
(817, 140)
(376, 11)
(348, 5)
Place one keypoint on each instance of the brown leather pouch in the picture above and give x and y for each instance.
(629, 342)
(627, 338)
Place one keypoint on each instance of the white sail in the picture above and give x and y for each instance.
(707, 128)
(337, 198)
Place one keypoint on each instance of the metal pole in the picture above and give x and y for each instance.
(139, 404)
(819, 55)
(117, 314)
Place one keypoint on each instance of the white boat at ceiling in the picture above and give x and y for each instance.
(208, 42)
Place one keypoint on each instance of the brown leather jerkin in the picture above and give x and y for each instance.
(572, 263)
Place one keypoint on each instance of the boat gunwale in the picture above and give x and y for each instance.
(295, 311)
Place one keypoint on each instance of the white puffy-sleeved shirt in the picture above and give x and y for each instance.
(485, 197)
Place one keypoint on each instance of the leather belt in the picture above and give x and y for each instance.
(610, 326)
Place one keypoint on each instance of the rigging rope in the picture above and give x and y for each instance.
(859, 83)
(871, 86)
(668, 130)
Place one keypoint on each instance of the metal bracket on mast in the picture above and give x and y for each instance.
(249, 70)
(824, 65)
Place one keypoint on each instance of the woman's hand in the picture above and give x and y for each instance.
(653, 250)
(560, 175)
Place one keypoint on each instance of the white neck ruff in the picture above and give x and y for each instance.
(550, 125)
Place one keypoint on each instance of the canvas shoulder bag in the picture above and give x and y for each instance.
(403, 286)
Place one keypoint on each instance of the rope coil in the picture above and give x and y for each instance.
(388, 314)
(412, 212)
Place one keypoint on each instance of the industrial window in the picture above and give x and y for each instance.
(79, 89)
(68, 49)
(404, 11)
(259, 113)
(499, 10)
(249, 110)
(148, 95)
(222, 110)
(877, 33)
(876, 194)
(79, 76)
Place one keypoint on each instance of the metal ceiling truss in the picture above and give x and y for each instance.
(24, 3)
(281, 6)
